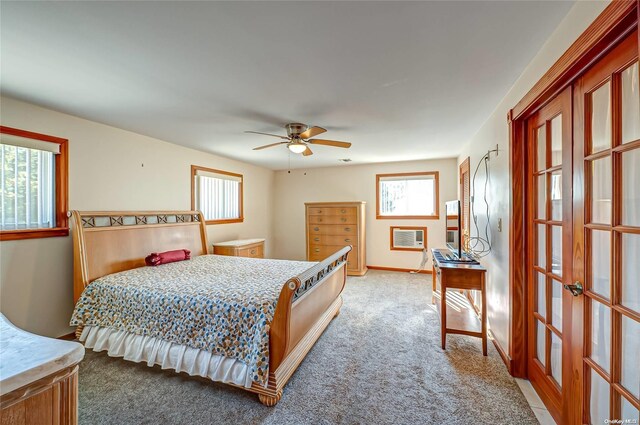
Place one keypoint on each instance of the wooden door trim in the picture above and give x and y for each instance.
(612, 25)
(617, 21)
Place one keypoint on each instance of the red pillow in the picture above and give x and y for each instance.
(155, 259)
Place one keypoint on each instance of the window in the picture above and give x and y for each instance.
(407, 195)
(33, 185)
(217, 194)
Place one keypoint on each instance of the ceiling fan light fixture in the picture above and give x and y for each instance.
(297, 147)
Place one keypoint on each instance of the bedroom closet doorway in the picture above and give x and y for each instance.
(583, 243)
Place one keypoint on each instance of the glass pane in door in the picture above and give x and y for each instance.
(541, 135)
(601, 186)
(601, 118)
(630, 276)
(541, 297)
(556, 304)
(599, 399)
(542, 246)
(630, 104)
(556, 358)
(601, 335)
(631, 356)
(540, 341)
(542, 196)
(631, 187)
(556, 195)
(629, 412)
(556, 250)
(601, 262)
(556, 141)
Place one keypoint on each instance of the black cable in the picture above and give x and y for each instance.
(478, 246)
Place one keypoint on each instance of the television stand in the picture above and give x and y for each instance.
(459, 275)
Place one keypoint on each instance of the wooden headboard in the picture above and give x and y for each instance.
(106, 242)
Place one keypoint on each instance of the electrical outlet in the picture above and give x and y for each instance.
(499, 225)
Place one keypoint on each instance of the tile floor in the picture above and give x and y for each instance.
(538, 407)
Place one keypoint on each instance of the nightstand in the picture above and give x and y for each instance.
(252, 248)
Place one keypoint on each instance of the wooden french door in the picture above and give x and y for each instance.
(584, 245)
(550, 210)
(607, 235)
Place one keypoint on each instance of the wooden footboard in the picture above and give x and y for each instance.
(306, 305)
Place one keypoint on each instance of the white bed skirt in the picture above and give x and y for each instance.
(154, 351)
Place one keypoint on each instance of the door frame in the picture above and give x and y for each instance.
(617, 21)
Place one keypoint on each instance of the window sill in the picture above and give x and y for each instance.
(13, 235)
(407, 217)
(230, 220)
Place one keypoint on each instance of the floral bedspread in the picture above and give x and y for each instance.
(220, 304)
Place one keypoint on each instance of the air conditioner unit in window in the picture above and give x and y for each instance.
(408, 238)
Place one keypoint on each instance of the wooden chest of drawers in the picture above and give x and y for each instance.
(331, 226)
(252, 248)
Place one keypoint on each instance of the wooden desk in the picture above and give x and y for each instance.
(459, 276)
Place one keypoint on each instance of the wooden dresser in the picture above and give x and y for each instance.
(38, 378)
(332, 225)
(252, 248)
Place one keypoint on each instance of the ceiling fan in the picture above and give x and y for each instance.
(299, 136)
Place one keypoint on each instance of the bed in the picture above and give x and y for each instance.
(242, 321)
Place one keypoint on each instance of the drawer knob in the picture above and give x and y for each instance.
(316, 228)
(347, 229)
(317, 239)
(347, 240)
(253, 251)
(320, 220)
(319, 211)
(343, 219)
(317, 250)
(343, 211)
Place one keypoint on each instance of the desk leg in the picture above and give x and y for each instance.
(443, 320)
(484, 315)
(433, 285)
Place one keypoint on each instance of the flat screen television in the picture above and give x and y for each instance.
(453, 227)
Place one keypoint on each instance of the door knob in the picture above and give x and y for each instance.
(575, 289)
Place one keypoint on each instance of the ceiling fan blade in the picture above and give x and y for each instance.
(311, 132)
(268, 146)
(268, 134)
(307, 152)
(334, 143)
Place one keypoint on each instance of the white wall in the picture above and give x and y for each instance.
(356, 183)
(109, 169)
(495, 131)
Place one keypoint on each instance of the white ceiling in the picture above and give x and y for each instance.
(400, 80)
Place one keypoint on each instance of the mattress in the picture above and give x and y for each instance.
(213, 304)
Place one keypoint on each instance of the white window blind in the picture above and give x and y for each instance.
(27, 183)
(407, 195)
(218, 196)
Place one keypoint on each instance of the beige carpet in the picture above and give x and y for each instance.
(378, 362)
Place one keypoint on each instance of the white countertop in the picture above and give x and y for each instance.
(240, 242)
(26, 357)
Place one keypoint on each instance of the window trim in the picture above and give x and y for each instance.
(194, 169)
(61, 161)
(436, 216)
